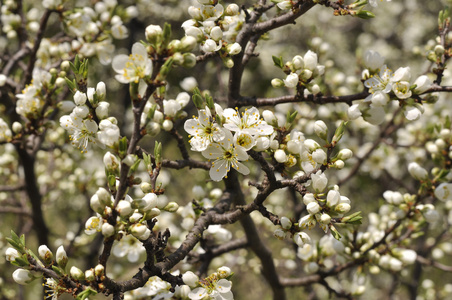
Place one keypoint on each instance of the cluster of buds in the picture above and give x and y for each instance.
(132, 214)
(214, 28)
(24, 258)
(301, 71)
(88, 123)
(176, 51)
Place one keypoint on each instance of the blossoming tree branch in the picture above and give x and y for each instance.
(214, 150)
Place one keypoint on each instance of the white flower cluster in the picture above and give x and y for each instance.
(215, 286)
(31, 101)
(382, 84)
(132, 214)
(95, 29)
(219, 144)
(11, 20)
(82, 128)
(5, 132)
(301, 72)
(214, 27)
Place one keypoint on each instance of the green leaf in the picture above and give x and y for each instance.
(339, 133)
(85, 294)
(278, 61)
(166, 33)
(123, 147)
(135, 165)
(158, 153)
(335, 233)
(447, 123)
(198, 101)
(364, 14)
(71, 84)
(58, 270)
(209, 102)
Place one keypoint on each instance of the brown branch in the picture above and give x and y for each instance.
(37, 42)
(13, 188)
(318, 99)
(15, 210)
(431, 262)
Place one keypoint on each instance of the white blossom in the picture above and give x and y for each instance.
(133, 67)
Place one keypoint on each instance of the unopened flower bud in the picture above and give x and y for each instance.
(301, 238)
(61, 257)
(279, 234)
(190, 279)
(99, 270)
(140, 231)
(313, 208)
(171, 207)
(321, 130)
(345, 154)
(234, 49)
(417, 171)
(76, 273)
(325, 219)
(167, 125)
(280, 156)
(277, 83)
(89, 275)
(285, 223)
(270, 117)
(232, 9)
(153, 33)
(17, 127)
(224, 272)
(108, 230)
(124, 208)
(11, 254)
(45, 254)
(343, 208)
(22, 276)
(339, 164)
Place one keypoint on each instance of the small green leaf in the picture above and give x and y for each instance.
(86, 293)
(198, 101)
(278, 61)
(364, 14)
(158, 153)
(335, 233)
(339, 133)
